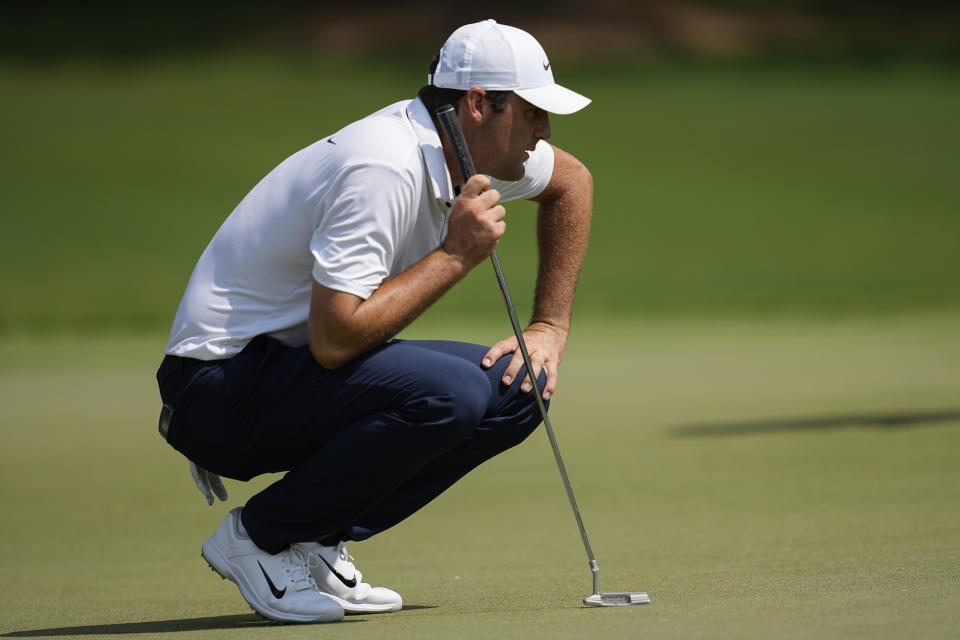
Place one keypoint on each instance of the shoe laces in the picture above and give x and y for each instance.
(295, 562)
(348, 559)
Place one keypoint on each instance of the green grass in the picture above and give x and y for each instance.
(693, 446)
(743, 187)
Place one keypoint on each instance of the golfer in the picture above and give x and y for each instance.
(282, 355)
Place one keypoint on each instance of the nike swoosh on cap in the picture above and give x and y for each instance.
(277, 593)
(351, 583)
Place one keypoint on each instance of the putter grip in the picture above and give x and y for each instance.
(447, 116)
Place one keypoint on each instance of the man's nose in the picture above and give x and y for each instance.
(542, 132)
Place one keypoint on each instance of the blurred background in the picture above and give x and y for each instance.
(795, 157)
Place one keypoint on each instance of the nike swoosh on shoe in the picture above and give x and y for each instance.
(277, 593)
(351, 583)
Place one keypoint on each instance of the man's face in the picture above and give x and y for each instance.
(500, 141)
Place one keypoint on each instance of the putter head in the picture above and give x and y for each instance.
(620, 599)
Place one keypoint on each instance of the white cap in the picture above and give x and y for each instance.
(496, 57)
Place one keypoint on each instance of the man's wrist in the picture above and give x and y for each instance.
(562, 326)
(454, 260)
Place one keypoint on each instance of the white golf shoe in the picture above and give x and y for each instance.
(278, 586)
(337, 577)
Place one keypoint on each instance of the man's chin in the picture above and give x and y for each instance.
(511, 176)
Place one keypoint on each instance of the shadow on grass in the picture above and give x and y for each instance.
(883, 421)
(243, 621)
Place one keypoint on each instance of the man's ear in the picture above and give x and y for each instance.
(475, 104)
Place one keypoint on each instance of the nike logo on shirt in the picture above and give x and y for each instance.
(351, 583)
(277, 593)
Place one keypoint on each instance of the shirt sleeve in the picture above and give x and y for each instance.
(538, 171)
(360, 227)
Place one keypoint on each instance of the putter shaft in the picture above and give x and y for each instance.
(518, 332)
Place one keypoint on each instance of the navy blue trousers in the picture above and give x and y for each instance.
(364, 446)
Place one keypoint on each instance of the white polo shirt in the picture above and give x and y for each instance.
(350, 211)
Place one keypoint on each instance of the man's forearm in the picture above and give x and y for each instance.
(345, 326)
(563, 226)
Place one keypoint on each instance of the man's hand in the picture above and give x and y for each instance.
(208, 482)
(476, 222)
(545, 344)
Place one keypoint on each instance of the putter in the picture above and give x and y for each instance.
(447, 116)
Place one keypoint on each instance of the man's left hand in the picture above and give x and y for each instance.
(545, 344)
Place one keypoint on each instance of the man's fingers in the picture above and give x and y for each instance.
(216, 485)
(208, 483)
(199, 476)
(513, 369)
(551, 385)
(505, 346)
(476, 185)
(489, 199)
(527, 386)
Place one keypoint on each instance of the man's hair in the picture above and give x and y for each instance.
(435, 97)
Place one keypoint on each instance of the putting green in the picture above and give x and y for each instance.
(783, 478)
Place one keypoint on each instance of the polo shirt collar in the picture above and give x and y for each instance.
(432, 150)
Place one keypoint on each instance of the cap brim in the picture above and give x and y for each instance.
(554, 98)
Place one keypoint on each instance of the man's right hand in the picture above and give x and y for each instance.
(476, 222)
